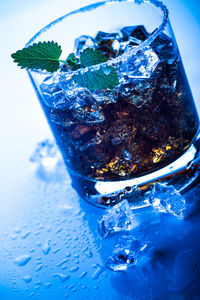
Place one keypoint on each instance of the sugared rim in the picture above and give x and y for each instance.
(120, 58)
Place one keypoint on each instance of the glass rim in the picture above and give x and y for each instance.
(121, 58)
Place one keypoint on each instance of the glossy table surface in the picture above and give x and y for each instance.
(50, 245)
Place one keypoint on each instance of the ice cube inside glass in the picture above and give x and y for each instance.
(117, 142)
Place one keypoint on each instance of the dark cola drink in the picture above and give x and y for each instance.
(146, 122)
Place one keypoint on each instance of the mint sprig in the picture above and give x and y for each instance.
(71, 60)
(90, 57)
(100, 79)
(104, 78)
(45, 56)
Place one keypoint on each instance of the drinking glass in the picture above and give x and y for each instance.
(116, 143)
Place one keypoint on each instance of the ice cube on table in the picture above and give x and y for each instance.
(167, 199)
(140, 65)
(46, 154)
(128, 252)
(116, 219)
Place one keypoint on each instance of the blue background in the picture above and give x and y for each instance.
(35, 209)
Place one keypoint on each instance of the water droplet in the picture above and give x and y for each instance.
(73, 269)
(71, 286)
(89, 254)
(37, 233)
(106, 70)
(25, 235)
(47, 285)
(39, 268)
(98, 272)
(67, 254)
(83, 287)
(27, 279)
(56, 250)
(64, 209)
(32, 250)
(46, 247)
(17, 230)
(59, 230)
(61, 276)
(22, 260)
(83, 274)
(63, 264)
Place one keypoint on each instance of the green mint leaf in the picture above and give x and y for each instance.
(104, 78)
(90, 57)
(71, 60)
(43, 56)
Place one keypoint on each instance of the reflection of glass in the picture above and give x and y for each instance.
(143, 129)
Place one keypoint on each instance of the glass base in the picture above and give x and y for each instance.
(182, 174)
